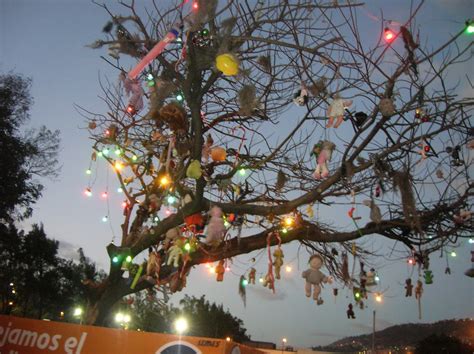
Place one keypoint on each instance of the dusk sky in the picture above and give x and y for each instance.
(46, 40)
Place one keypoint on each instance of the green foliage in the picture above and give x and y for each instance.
(33, 154)
(35, 281)
(205, 319)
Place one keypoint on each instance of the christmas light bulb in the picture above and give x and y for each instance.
(226, 223)
(115, 259)
(388, 34)
(119, 190)
(88, 171)
(88, 192)
(100, 154)
(171, 199)
(288, 269)
(245, 282)
(187, 247)
(164, 181)
(453, 254)
(134, 158)
(288, 221)
(471, 241)
(118, 165)
(195, 5)
(128, 259)
(179, 97)
(284, 230)
(242, 171)
(260, 280)
(124, 205)
(227, 269)
(378, 298)
(118, 152)
(377, 279)
(212, 269)
(104, 195)
(105, 218)
(470, 28)
(105, 152)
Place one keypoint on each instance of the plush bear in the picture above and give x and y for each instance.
(336, 110)
(418, 289)
(215, 229)
(314, 277)
(170, 236)
(252, 274)
(350, 312)
(323, 153)
(408, 288)
(278, 262)
(301, 97)
(220, 270)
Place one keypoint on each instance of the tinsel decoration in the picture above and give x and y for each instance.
(248, 101)
(386, 107)
(281, 180)
(174, 115)
(242, 291)
(402, 181)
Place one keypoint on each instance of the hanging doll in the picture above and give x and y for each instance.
(175, 253)
(206, 149)
(278, 262)
(336, 110)
(301, 96)
(408, 288)
(371, 275)
(215, 228)
(314, 277)
(323, 153)
(133, 88)
(418, 289)
(153, 264)
(252, 274)
(350, 312)
(375, 213)
(220, 270)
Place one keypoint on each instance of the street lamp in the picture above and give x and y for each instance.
(181, 325)
(77, 312)
(283, 344)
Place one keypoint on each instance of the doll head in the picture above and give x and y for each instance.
(215, 212)
(315, 262)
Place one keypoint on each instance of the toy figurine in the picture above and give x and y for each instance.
(153, 265)
(408, 288)
(336, 110)
(371, 275)
(418, 289)
(301, 97)
(220, 270)
(252, 274)
(428, 275)
(215, 229)
(314, 277)
(175, 253)
(278, 262)
(323, 153)
(350, 312)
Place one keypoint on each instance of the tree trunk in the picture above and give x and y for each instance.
(101, 302)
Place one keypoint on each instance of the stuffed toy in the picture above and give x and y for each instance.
(345, 268)
(194, 222)
(418, 289)
(323, 153)
(220, 270)
(301, 97)
(386, 107)
(371, 274)
(194, 170)
(252, 274)
(133, 88)
(408, 288)
(174, 115)
(428, 275)
(278, 262)
(319, 87)
(464, 215)
(440, 174)
(175, 253)
(455, 158)
(265, 62)
(336, 110)
(267, 281)
(206, 148)
(350, 312)
(215, 228)
(154, 203)
(153, 264)
(314, 277)
(359, 119)
(470, 272)
(171, 235)
(281, 180)
(375, 213)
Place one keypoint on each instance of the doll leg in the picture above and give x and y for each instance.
(330, 122)
(325, 171)
(317, 172)
(316, 292)
(307, 289)
(340, 119)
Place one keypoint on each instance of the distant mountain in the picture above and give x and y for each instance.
(405, 335)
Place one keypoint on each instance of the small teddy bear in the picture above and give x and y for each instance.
(278, 262)
(252, 274)
(418, 289)
(314, 277)
(216, 228)
(323, 153)
(350, 312)
(220, 270)
(408, 288)
(336, 110)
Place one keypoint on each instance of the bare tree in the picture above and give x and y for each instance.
(209, 138)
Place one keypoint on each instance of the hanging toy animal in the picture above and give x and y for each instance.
(278, 262)
(371, 277)
(216, 228)
(175, 253)
(153, 264)
(323, 153)
(314, 277)
(301, 96)
(252, 275)
(220, 270)
(408, 288)
(337, 110)
(350, 312)
(375, 213)
(418, 289)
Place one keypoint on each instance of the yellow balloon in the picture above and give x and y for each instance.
(228, 64)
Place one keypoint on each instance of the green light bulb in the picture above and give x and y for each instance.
(88, 171)
(118, 152)
(171, 199)
(242, 171)
(470, 29)
(100, 153)
(179, 97)
(134, 157)
(187, 247)
(115, 259)
(245, 282)
(128, 259)
(105, 152)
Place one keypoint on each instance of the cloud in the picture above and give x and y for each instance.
(267, 294)
(68, 250)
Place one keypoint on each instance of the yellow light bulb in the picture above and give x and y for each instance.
(165, 180)
(288, 269)
(378, 298)
(118, 166)
(288, 221)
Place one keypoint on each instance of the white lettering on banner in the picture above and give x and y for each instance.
(42, 341)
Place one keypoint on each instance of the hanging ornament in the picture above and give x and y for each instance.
(428, 276)
(228, 64)
(194, 170)
(387, 107)
(439, 174)
(194, 222)
(202, 38)
(300, 98)
(281, 180)
(265, 62)
(215, 229)
(252, 274)
(218, 154)
(418, 290)
(345, 268)
(323, 153)
(242, 291)
(314, 277)
(408, 288)
(371, 277)
(248, 101)
(133, 88)
(220, 270)
(337, 110)
(153, 265)
(174, 115)
(92, 125)
(350, 312)
(278, 262)
(455, 158)
(375, 213)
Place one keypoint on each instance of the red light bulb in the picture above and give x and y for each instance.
(388, 34)
(426, 148)
(195, 5)
(104, 195)
(131, 110)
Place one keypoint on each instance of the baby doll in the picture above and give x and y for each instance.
(215, 228)
(220, 270)
(323, 152)
(278, 262)
(153, 264)
(314, 277)
(408, 288)
(336, 110)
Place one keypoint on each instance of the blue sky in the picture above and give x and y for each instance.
(46, 40)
